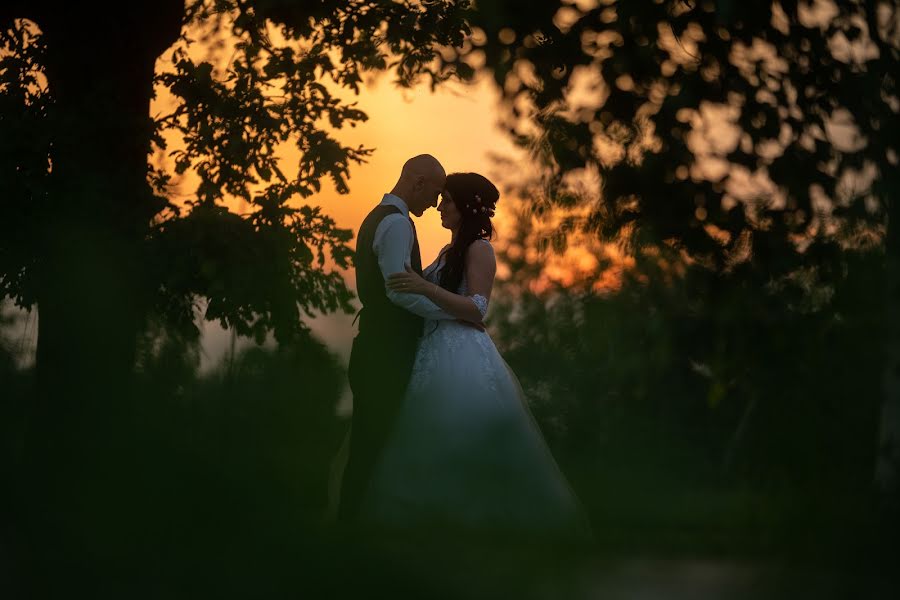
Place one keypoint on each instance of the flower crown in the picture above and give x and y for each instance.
(482, 207)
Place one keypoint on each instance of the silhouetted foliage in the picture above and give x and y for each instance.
(259, 270)
(121, 267)
(264, 419)
(728, 173)
(729, 168)
(724, 414)
(733, 131)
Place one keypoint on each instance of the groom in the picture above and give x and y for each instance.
(390, 323)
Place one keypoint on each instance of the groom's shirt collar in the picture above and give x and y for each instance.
(397, 201)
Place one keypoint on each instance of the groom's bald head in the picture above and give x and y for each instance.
(421, 181)
(425, 165)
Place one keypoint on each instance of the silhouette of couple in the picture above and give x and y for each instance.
(441, 436)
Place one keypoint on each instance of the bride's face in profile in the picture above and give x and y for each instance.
(450, 216)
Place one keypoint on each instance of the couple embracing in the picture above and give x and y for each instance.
(441, 437)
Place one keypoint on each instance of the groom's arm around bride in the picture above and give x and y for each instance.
(390, 322)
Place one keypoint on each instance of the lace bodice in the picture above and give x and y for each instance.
(433, 274)
(446, 336)
(464, 427)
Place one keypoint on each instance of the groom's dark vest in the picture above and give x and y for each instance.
(380, 316)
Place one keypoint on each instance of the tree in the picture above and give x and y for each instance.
(91, 236)
(754, 143)
(89, 233)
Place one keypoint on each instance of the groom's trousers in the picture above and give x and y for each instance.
(379, 371)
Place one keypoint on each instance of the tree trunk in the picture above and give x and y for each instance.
(92, 292)
(887, 476)
(98, 209)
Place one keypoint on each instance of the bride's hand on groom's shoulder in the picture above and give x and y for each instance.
(409, 282)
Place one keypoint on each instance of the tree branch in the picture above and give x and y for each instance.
(10, 10)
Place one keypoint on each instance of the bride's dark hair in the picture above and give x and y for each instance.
(475, 197)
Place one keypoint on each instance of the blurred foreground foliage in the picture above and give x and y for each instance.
(702, 279)
(715, 396)
(219, 487)
(225, 470)
(705, 414)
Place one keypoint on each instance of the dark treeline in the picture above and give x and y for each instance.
(710, 412)
(128, 474)
(204, 465)
(742, 380)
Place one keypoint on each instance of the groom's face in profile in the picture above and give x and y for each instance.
(426, 191)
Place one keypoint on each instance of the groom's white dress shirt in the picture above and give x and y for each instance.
(393, 245)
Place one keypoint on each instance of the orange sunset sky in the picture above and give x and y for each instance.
(457, 123)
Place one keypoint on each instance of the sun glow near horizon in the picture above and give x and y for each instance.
(460, 124)
(457, 122)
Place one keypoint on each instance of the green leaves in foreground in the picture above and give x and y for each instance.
(258, 274)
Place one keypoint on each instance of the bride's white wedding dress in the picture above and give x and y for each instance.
(465, 451)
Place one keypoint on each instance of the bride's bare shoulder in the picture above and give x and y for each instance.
(480, 251)
(481, 245)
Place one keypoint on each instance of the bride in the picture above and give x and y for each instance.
(465, 453)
